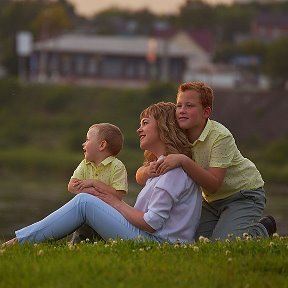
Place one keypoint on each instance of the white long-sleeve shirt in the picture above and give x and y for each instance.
(172, 205)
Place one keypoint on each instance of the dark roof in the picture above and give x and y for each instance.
(204, 38)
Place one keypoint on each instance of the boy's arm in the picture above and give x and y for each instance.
(210, 179)
(76, 186)
(145, 172)
(74, 189)
(71, 188)
(142, 175)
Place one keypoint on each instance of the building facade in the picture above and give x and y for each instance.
(138, 60)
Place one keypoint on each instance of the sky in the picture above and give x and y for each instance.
(90, 7)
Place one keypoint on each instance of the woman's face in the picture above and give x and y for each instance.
(149, 136)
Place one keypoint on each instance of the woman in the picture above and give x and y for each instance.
(167, 208)
(233, 194)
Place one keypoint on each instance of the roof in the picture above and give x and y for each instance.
(113, 45)
(203, 37)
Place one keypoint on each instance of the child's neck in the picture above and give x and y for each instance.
(194, 133)
(101, 158)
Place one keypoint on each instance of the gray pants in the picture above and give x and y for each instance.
(233, 216)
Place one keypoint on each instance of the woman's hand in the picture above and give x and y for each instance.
(134, 216)
(106, 196)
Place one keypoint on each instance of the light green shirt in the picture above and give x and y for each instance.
(110, 171)
(216, 148)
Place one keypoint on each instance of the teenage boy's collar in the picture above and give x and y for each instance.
(204, 133)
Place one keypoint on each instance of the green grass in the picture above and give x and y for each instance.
(242, 263)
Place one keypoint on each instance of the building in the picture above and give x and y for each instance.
(130, 60)
(268, 27)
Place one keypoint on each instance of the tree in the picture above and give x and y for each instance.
(36, 16)
(14, 16)
(119, 21)
(51, 20)
(196, 14)
(276, 65)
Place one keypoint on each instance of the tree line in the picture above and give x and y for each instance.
(47, 18)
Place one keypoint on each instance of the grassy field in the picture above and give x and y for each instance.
(42, 141)
(241, 263)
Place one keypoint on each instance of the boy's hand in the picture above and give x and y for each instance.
(152, 169)
(170, 162)
(146, 172)
(81, 184)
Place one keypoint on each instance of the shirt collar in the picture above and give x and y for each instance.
(204, 133)
(105, 162)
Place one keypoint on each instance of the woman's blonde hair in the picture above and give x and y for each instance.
(171, 135)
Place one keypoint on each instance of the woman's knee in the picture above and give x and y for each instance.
(83, 197)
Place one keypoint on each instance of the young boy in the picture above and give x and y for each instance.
(233, 194)
(99, 169)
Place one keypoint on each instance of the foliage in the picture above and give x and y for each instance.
(113, 20)
(146, 264)
(47, 18)
(160, 91)
(45, 126)
(276, 64)
(252, 48)
(51, 121)
(51, 21)
(192, 13)
(42, 18)
(15, 16)
(276, 152)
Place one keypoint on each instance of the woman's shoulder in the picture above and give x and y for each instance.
(176, 175)
(176, 182)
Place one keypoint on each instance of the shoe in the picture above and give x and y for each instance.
(269, 223)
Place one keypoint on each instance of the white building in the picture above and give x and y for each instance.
(113, 59)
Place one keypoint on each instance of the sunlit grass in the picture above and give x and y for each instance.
(238, 263)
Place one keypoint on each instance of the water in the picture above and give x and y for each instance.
(23, 202)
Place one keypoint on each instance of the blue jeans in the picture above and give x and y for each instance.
(233, 216)
(82, 209)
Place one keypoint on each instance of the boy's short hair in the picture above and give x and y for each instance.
(112, 135)
(205, 92)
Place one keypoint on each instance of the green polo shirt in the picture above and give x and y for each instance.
(110, 171)
(216, 148)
